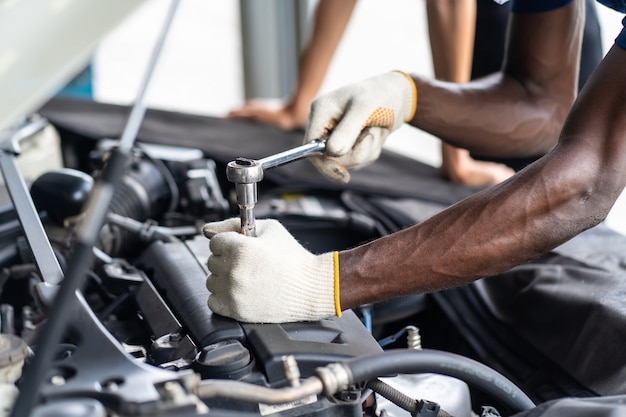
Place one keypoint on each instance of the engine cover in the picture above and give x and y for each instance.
(178, 272)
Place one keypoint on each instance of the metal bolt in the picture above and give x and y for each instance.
(57, 380)
(414, 340)
(292, 371)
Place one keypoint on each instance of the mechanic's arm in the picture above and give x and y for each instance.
(564, 193)
(520, 110)
(330, 22)
(451, 28)
(516, 112)
(272, 278)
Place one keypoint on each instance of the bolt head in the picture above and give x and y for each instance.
(244, 171)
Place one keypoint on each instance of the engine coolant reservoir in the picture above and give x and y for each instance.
(451, 394)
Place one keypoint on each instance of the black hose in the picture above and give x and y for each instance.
(167, 176)
(399, 398)
(473, 373)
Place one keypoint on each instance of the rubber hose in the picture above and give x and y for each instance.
(399, 398)
(472, 372)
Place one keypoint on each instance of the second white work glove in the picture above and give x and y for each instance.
(270, 278)
(357, 119)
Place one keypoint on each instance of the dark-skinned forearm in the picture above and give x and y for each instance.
(564, 193)
(488, 233)
(519, 111)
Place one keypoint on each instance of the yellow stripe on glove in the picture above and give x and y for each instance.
(337, 295)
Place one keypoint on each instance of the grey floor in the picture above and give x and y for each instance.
(201, 70)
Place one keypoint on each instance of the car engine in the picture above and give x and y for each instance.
(141, 340)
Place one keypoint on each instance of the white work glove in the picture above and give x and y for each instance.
(357, 119)
(270, 278)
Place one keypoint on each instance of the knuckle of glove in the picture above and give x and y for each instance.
(331, 168)
(367, 149)
(230, 225)
(227, 298)
(218, 265)
(339, 144)
(323, 117)
(271, 238)
(273, 232)
(216, 305)
(226, 243)
(266, 227)
(213, 283)
(238, 308)
(350, 130)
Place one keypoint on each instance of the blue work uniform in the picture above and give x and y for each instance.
(486, 62)
(533, 6)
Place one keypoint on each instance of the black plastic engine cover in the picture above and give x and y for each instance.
(313, 344)
(178, 271)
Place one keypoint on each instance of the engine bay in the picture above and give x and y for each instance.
(140, 340)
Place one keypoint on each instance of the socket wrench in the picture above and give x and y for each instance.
(246, 173)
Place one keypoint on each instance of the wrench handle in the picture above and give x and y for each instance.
(300, 152)
(246, 173)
